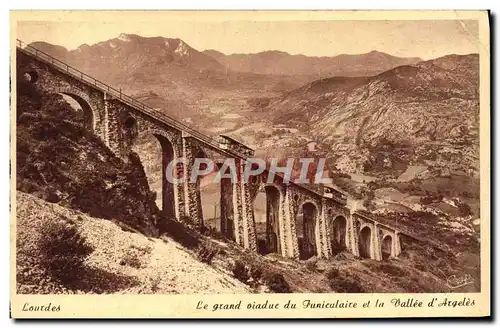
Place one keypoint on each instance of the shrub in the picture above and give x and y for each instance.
(155, 282)
(240, 271)
(332, 273)
(311, 266)
(131, 259)
(337, 248)
(27, 186)
(464, 209)
(63, 250)
(342, 283)
(346, 285)
(392, 270)
(256, 273)
(206, 254)
(51, 196)
(277, 283)
(181, 233)
(133, 256)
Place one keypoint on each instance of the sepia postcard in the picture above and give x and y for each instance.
(250, 164)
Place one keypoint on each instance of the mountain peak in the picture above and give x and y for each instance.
(376, 52)
(274, 52)
(182, 48)
(125, 37)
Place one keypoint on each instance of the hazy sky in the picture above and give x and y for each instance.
(418, 38)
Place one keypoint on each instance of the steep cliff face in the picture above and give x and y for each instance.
(60, 161)
(426, 113)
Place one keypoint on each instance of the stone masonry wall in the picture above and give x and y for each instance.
(48, 79)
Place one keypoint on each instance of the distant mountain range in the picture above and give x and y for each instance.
(282, 63)
(168, 73)
(142, 58)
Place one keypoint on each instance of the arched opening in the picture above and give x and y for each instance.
(338, 237)
(259, 214)
(168, 193)
(207, 195)
(266, 216)
(156, 152)
(130, 130)
(386, 247)
(226, 205)
(82, 108)
(306, 226)
(210, 198)
(365, 238)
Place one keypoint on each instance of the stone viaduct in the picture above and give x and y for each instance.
(301, 221)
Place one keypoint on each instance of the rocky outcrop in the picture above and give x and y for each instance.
(426, 113)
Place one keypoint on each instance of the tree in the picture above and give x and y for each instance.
(464, 209)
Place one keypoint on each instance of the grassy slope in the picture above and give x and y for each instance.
(158, 265)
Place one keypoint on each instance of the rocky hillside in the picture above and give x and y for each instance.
(60, 161)
(118, 260)
(403, 144)
(427, 113)
(282, 63)
(86, 219)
